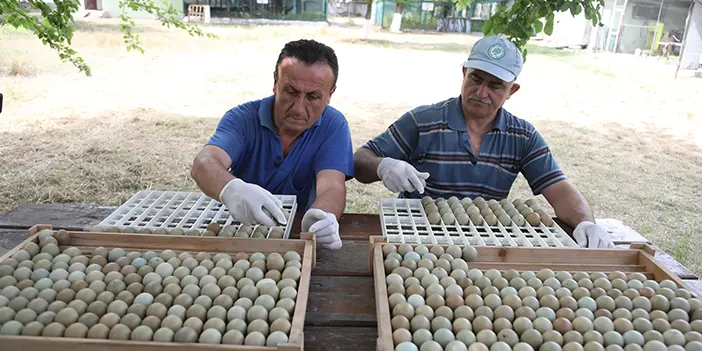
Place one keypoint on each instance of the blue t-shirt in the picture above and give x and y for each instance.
(247, 134)
(434, 139)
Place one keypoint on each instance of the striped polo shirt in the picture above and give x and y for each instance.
(434, 139)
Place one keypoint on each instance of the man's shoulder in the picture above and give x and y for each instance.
(435, 111)
(332, 117)
(247, 110)
(517, 125)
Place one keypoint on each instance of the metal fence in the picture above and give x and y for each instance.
(421, 15)
(301, 10)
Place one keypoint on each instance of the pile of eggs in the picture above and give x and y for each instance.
(147, 296)
(438, 303)
(479, 212)
(213, 229)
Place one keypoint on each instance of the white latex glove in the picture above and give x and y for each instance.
(398, 176)
(246, 202)
(325, 227)
(591, 235)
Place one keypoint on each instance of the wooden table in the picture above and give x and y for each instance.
(341, 306)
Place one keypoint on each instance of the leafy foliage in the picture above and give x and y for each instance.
(168, 17)
(53, 25)
(528, 17)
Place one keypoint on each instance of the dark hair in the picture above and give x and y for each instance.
(309, 52)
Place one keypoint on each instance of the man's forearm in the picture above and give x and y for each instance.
(332, 200)
(210, 175)
(575, 212)
(569, 204)
(366, 166)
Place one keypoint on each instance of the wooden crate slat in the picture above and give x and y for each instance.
(660, 272)
(570, 267)
(186, 243)
(382, 306)
(296, 335)
(8, 254)
(30, 343)
(557, 255)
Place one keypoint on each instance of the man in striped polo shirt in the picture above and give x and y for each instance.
(471, 146)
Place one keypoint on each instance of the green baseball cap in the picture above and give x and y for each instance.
(496, 56)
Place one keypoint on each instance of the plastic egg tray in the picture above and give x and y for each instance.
(185, 210)
(405, 221)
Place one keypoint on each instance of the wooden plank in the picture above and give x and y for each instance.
(71, 344)
(341, 301)
(557, 255)
(350, 260)
(382, 306)
(60, 216)
(620, 232)
(672, 264)
(572, 267)
(695, 286)
(668, 261)
(183, 243)
(9, 253)
(10, 238)
(340, 338)
(296, 337)
(352, 226)
(660, 272)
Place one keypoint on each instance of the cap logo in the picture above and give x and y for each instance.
(496, 51)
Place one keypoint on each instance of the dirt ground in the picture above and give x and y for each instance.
(626, 133)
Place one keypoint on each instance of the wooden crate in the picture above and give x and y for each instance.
(637, 258)
(86, 241)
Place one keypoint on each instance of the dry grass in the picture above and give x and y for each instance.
(624, 131)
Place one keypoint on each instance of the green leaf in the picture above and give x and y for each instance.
(543, 11)
(565, 6)
(548, 29)
(524, 54)
(487, 27)
(575, 8)
(538, 26)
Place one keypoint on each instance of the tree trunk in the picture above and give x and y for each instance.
(397, 18)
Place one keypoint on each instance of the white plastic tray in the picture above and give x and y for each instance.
(185, 210)
(404, 221)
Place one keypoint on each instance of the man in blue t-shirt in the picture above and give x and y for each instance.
(290, 143)
(469, 146)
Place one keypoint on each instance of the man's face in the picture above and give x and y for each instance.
(302, 92)
(482, 94)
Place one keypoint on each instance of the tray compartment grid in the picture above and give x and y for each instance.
(405, 221)
(185, 210)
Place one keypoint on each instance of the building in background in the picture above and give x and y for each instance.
(643, 27)
(223, 11)
(691, 52)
